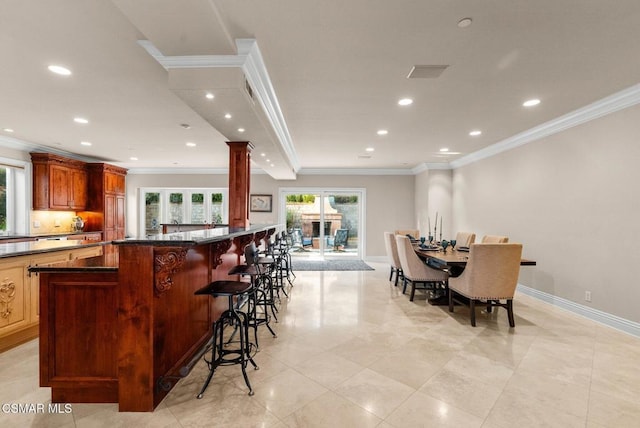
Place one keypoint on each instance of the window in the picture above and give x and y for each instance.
(13, 197)
(195, 206)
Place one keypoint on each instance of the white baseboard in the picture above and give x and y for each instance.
(624, 325)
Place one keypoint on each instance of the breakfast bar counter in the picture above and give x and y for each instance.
(123, 327)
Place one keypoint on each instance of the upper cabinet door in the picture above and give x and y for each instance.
(58, 183)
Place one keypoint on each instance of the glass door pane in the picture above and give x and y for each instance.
(303, 224)
(152, 212)
(198, 208)
(217, 210)
(176, 208)
(343, 213)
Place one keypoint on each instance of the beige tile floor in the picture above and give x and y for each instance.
(352, 351)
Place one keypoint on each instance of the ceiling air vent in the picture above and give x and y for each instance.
(364, 156)
(426, 71)
(247, 87)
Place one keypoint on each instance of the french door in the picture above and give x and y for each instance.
(327, 223)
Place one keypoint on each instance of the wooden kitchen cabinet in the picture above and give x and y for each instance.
(20, 295)
(59, 183)
(107, 197)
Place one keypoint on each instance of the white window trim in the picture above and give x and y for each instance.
(19, 189)
(187, 192)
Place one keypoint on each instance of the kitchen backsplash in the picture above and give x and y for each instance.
(51, 222)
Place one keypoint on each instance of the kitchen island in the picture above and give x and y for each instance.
(123, 327)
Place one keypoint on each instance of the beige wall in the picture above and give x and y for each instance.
(573, 200)
(389, 198)
(434, 195)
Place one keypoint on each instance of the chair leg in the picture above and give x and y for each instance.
(413, 291)
(512, 322)
(398, 272)
(489, 306)
(404, 285)
(391, 273)
(450, 300)
(472, 310)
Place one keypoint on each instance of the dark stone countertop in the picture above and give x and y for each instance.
(194, 237)
(14, 249)
(104, 263)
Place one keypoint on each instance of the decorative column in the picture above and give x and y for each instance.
(239, 182)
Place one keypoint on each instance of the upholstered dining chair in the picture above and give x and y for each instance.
(465, 239)
(495, 239)
(392, 252)
(415, 233)
(490, 277)
(415, 270)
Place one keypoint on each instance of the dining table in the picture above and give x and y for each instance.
(438, 257)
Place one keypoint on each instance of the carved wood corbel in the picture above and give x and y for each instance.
(167, 261)
(217, 250)
(241, 242)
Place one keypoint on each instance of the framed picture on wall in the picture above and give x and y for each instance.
(260, 203)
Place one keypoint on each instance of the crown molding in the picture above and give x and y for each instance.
(187, 171)
(615, 102)
(354, 171)
(256, 73)
(250, 60)
(427, 166)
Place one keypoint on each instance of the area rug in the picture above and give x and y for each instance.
(319, 265)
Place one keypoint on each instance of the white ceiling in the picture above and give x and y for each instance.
(336, 67)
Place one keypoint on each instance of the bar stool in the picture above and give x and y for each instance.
(262, 295)
(221, 353)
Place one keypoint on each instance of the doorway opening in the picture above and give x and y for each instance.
(324, 223)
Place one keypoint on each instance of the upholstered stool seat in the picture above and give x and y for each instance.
(226, 353)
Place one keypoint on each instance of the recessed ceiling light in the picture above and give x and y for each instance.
(444, 149)
(475, 133)
(227, 116)
(268, 160)
(80, 120)
(263, 154)
(9, 130)
(58, 69)
(210, 96)
(85, 143)
(190, 144)
(465, 22)
(531, 103)
(405, 101)
(369, 149)
(240, 129)
(133, 158)
(272, 165)
(382, 132)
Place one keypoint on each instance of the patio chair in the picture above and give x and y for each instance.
(299, 241)
(338, 240)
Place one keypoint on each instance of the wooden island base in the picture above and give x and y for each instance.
(121, 327)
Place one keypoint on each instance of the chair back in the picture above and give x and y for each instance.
(415, 233)
(495, 239)
(251, 254)
(412, 266)
(491, 273)
(392, 249)
(465, 239)
(342, 236)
